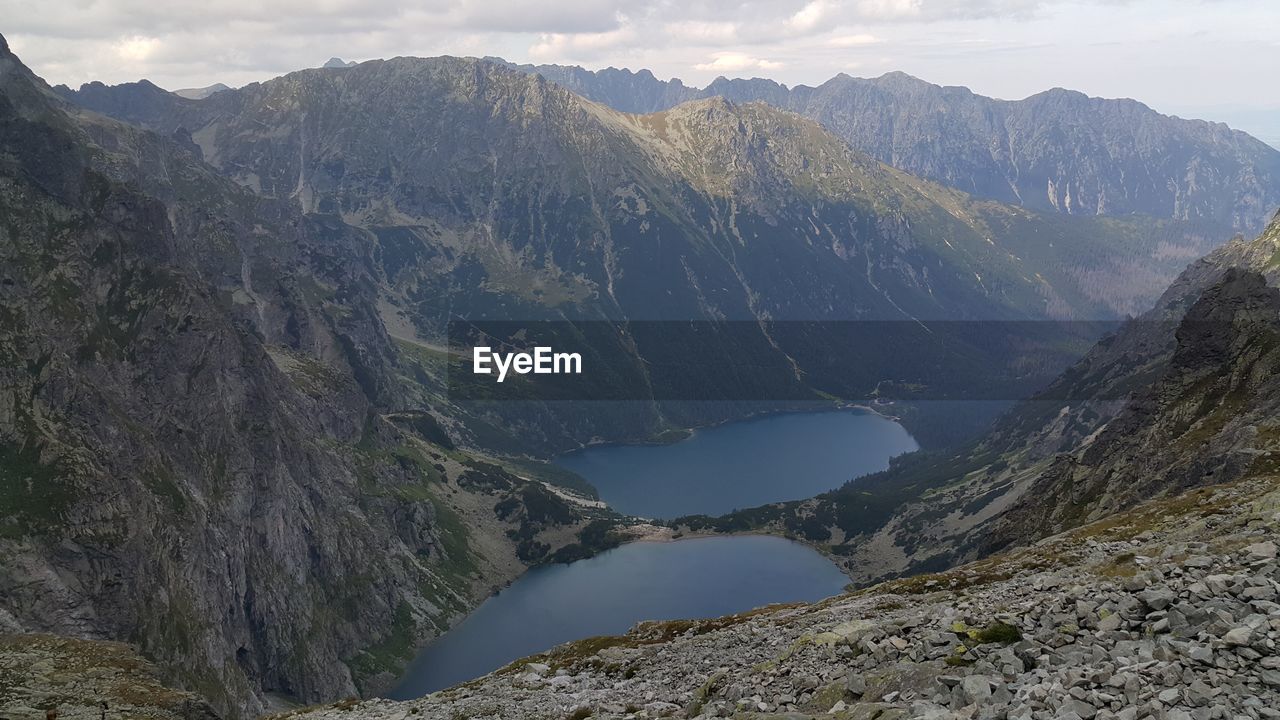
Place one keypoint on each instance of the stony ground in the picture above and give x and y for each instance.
(1166, 612)
(86, 679)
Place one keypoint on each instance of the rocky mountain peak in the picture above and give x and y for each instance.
(1061, 92)
(902, 79)
(201, 92)
(716, 108)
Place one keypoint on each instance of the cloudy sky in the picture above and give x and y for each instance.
(1214, 59)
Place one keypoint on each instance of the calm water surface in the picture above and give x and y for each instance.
(609, 593)
(737, 465)
(742, 464)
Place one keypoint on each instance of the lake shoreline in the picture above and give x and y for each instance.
(718, 469)
(610, 593)
(684, 433)
(769, 458)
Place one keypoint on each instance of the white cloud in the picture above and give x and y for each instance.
(701, 32)
(542, 16)
(561, 47)
(736, 61)
(1184, 56)
(848, 41)
(808, 18)
(137, 49)
(890, 9)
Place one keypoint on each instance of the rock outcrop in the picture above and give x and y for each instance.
(44, 676)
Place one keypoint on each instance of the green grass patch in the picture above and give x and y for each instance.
(997, 632)
(34, 493)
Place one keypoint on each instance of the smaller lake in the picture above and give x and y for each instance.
(742, 464)
(610, 593)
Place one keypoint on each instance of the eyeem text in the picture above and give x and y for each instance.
(542, 361)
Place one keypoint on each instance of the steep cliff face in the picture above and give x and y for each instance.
(1207, 418)
(202, 449)
(1183, 398)
(1055, 151)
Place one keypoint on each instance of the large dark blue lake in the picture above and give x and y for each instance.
(742, 464)
(609, 593)
(735, 465)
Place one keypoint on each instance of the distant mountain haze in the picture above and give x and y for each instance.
(1057, 150)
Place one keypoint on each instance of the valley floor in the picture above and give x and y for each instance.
(1168, 611)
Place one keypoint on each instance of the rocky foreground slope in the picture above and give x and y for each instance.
(1165, 611)
(86, 679)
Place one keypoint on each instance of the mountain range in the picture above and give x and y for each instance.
(562, 203)
(1058, 150)
(494, 194)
